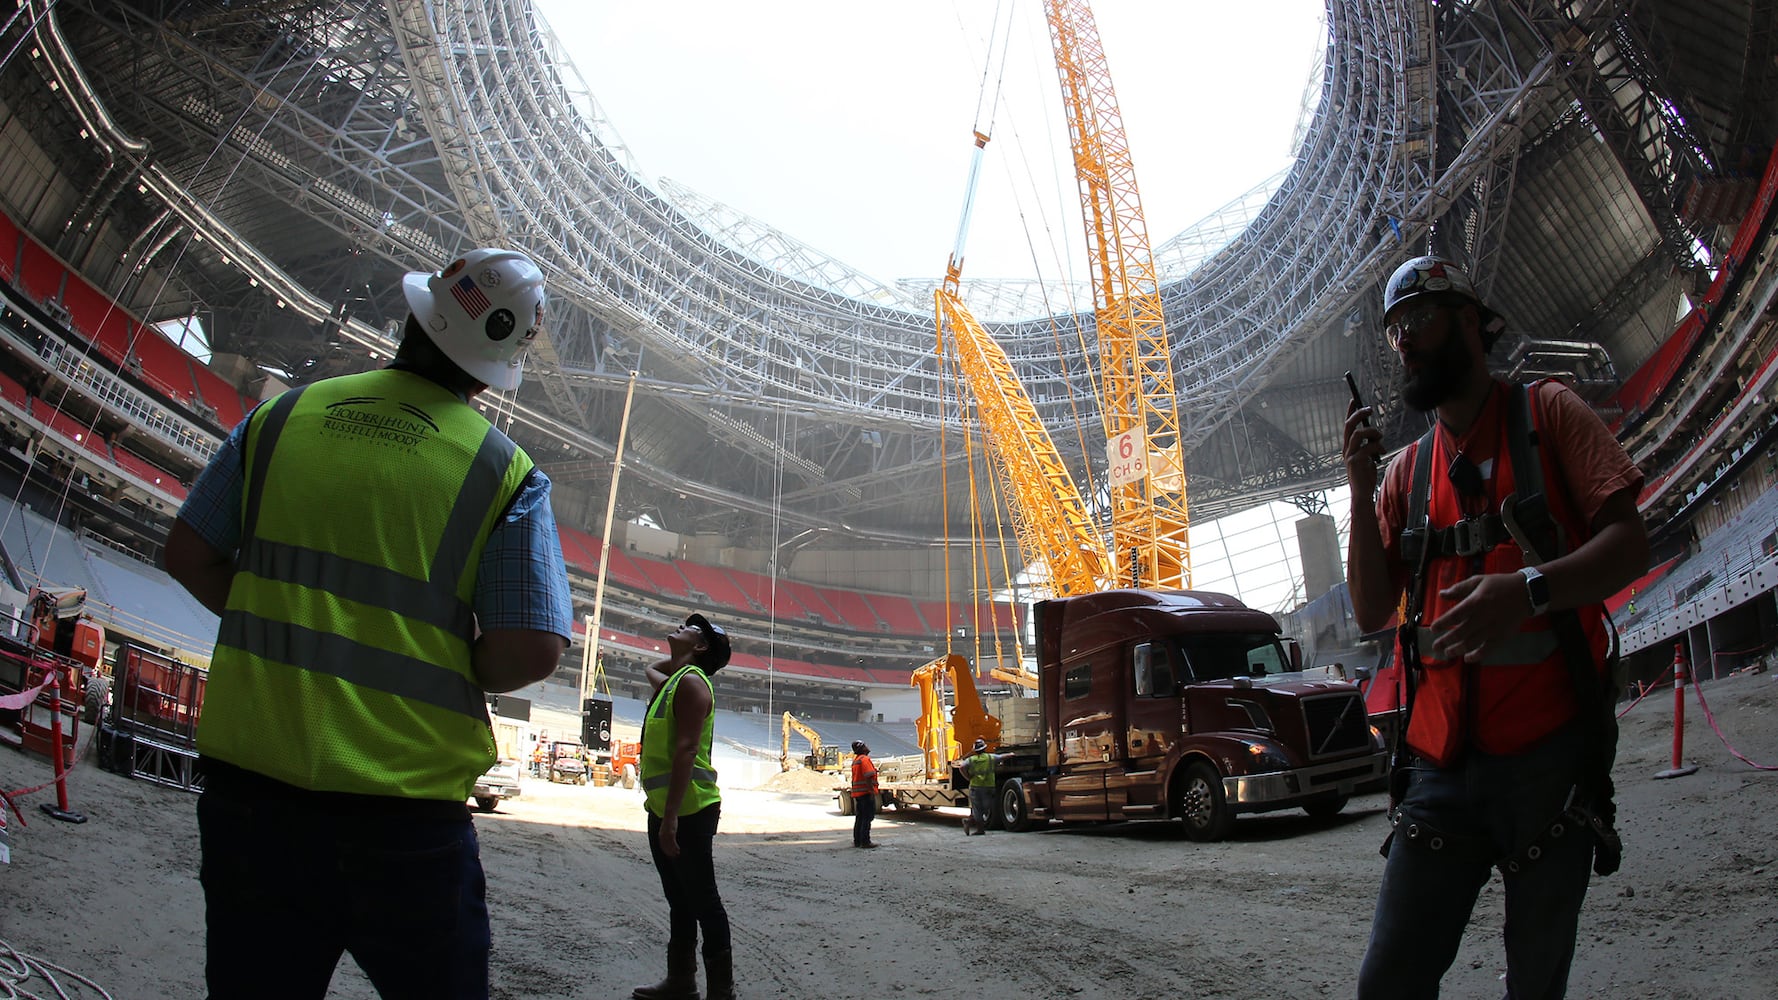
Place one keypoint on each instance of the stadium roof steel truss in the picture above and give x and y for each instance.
(311, 152)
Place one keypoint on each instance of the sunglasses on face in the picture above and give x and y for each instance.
(1411, 325)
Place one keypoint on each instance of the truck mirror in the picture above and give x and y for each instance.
(1361, 674)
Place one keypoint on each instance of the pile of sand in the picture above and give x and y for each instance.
(800, 779)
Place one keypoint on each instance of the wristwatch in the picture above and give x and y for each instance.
(1537, 587)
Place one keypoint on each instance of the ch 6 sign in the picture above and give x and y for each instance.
(1127, 457)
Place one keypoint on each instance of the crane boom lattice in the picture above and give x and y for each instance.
(1149, 514)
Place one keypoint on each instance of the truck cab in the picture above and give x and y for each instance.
(1184, 705)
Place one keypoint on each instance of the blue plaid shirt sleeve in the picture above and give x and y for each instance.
(522, 581)
(213, 507)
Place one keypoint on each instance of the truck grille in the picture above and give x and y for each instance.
(1337, 724)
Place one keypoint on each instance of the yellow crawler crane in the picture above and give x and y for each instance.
(1148, 499)
(1049, 518)
(1146, 471)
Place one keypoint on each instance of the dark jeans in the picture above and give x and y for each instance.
(864, 809)
(289, 887)
(1486, 810)
(981, 807)
(689, 881)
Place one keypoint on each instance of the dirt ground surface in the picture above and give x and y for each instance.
(1281, 909)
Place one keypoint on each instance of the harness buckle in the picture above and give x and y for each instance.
(1468, 537)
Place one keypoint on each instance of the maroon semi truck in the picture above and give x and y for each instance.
(1180, 705)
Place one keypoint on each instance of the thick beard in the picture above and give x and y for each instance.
(1442, 372)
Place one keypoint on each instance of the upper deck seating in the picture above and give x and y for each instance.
(898, 614)
(853, 609)
(619, 567)
(97, 319)
(40, 273)
(10, 238)
(664, 575)
(810, 598)
(715, 585)
(72, 429)
(573, 554)
(14, 393)
(148, 472)
(777, 599)
(941, 615)
(164, 366)
(216, 392)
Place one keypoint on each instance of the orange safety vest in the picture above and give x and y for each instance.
(1524, 692)
(864, 776)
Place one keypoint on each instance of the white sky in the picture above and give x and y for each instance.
(848, 126)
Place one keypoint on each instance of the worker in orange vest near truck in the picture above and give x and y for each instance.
(864, 794)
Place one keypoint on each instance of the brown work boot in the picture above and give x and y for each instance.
(682, 975)
(719, 969)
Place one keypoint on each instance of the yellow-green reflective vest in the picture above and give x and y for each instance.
(658, 731)
(342, 661)
(980, 769)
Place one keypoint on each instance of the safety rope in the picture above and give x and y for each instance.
(17, 969)
(1650, 688)
(9, 796)
(1698, 689)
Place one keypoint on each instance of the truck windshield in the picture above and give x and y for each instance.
(1219, 657)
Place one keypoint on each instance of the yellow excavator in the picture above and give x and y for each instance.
(819, 758)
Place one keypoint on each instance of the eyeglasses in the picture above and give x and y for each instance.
(1411, 325)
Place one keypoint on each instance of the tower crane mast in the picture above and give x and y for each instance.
(1150, 520)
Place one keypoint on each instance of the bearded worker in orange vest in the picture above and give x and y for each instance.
(1508, 744)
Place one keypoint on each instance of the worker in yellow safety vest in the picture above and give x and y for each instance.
(979, 768)
(381, 558)
(684, 806)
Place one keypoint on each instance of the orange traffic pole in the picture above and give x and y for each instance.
(60, 764)
(1678, 770)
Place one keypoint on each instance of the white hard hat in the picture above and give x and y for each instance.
(1432, 276)
(483, 310)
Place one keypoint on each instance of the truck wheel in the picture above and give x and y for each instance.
(486, 803)
(1015, 812)
(1326, 806)
(846, 806)
(1200, 804)
(629, 778)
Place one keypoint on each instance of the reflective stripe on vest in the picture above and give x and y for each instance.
(864, 776)
(659, 732)
(365, 622)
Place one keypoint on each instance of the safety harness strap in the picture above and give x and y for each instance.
(1526, 518)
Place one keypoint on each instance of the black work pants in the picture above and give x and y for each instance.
(864, 809)
(689, 881)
